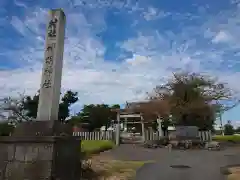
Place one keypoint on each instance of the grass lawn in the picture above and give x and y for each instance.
(96, 146)
(234, 138)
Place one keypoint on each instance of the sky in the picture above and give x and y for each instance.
(117, 50)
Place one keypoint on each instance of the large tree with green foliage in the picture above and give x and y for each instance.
(95, 116)
(237, 130)
(30, 104)
(193, 99)
(229, 129)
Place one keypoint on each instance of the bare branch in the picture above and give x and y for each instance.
(13, 108)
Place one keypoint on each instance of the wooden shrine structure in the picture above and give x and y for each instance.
(141, 115)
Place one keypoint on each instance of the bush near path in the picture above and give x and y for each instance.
(233, 138)
(90, 147)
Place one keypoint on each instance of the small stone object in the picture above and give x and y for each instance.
(169, 147)
(150, 144)
(183, 144)
(213, 145)
(174, 143)
(188, 144)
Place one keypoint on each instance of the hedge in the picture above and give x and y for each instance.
(230, 138)
(96, 146)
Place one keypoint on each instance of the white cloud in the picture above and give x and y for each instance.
(19, 25)
(155, 56)
(127, 5)
(153, 13)
(150, 14)
(222, 36)
(20, 4)
(137, 60)
(84, 69)
(236, 2)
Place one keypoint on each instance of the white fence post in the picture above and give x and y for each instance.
(96, 135)
(149, 135)
(203, 135)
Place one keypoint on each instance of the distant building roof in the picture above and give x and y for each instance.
(153, 106)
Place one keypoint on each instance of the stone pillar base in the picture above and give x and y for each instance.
(38, 158)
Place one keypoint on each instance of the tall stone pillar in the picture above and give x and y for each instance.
(45, 148)
(52, 67)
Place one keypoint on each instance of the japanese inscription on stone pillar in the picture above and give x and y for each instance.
(49, 53)
(52, 28)
(48, 69)
(52, 67)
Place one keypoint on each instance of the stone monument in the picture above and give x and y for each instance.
(52, 69)
(45, 148)
(186, 132)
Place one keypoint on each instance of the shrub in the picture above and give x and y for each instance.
(6, 129)
(228, 129)
(96, 146)
(230, 138)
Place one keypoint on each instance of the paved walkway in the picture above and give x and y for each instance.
(202, 164)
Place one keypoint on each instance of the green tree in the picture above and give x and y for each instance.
(96, 115)
(75, 120)
(25, 107)
(115, 106)
(67, 100)
(192, 99)
(229, 129)
(113, 115)
(30, 106)
(237, 130)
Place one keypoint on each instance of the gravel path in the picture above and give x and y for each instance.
(199, 164)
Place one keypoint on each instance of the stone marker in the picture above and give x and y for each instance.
(38, 150)
(186, 131)
(52, 68)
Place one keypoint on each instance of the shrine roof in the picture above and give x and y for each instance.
(149, 106)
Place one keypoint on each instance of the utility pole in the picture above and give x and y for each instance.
(221, 122)
(118, 129)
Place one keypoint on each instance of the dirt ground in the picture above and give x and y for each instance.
(109, 169)
(235, 173)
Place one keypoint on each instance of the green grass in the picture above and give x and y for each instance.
(234, 138)
(96, 146)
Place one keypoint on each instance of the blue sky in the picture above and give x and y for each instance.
(116, 52)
